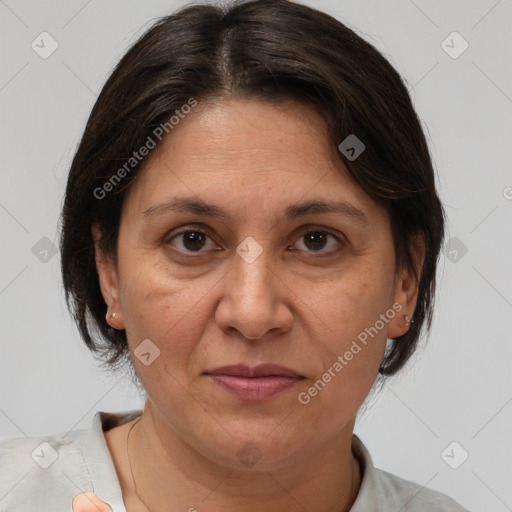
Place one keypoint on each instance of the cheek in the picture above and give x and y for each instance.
(172, 317)
(168, 311)
(358, 336)
(350, 364)
(351, 354)
(354, 300)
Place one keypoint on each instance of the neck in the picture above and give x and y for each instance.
(166, 470)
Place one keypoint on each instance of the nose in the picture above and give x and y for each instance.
(254, 300)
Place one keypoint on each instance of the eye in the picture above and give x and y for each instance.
(316, 240)
(191, 240)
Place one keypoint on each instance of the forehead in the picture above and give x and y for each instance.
(246, 151)
(238, 131)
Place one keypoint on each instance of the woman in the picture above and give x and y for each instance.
(251, 220)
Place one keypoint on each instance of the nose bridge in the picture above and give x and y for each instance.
(252, 283)
(251, 303)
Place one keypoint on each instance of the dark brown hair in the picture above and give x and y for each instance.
(269, 50)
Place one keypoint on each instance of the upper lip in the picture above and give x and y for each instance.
(262, 370)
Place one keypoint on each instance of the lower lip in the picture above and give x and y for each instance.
(255, 388)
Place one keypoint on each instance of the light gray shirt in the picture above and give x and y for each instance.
(45, 473)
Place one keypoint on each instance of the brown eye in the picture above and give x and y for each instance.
(315, 240)
(318, 240)
(191, 240)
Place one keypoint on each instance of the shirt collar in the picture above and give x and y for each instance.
(106, 484)
(366, 500)
(99, 461)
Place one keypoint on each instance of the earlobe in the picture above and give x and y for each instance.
(405, 300)
(400, 324)
(406, 290)
(114, 319)
(107, 275)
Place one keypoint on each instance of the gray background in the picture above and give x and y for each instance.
(460, 387)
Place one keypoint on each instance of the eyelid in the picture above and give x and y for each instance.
(312, 227)
(201, 228)
(340, 238)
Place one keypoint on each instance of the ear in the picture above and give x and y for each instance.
(107, 273)
(406, 289)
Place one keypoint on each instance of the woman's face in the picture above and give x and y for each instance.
(264, 280)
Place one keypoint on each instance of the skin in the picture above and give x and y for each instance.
(299, 305)
(89, 502)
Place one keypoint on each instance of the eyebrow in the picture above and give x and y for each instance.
(291, 212)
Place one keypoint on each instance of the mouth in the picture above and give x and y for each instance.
(259, 383)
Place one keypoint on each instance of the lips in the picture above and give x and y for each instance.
(262, 370)
(259, 383)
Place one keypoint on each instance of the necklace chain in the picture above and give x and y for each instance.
(130, 463)
(353, 482)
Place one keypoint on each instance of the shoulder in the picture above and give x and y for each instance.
(381, 490)
(414, 497)
(35, 471)
(45, 473)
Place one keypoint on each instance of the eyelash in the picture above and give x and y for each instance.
(310, 229)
